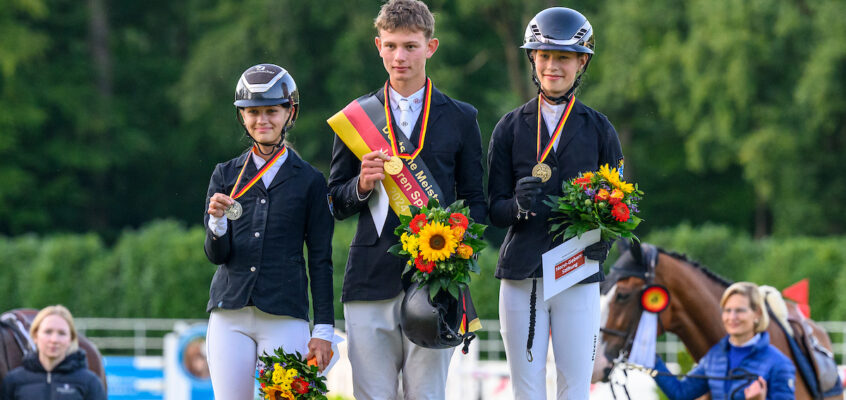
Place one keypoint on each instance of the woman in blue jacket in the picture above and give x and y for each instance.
(262, 207)
(58, 369)
(746, 350)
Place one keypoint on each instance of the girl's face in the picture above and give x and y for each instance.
(739, 319)
(265, 123)
(557, 70)
(53, 337)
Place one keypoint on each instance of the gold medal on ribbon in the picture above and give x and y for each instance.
(542, 170)
(393, 166)
(235, 211)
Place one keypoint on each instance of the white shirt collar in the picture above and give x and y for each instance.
(268, 176)
(415, 100)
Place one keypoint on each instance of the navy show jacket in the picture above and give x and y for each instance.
(453, 153)
(587, 142)
(260, 258)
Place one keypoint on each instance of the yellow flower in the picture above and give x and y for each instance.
(464, 251)
(610, 174)
(437, 242)
(290, 373)
(409, 244)
(626, 187)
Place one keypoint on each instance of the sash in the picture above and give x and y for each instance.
(362, 126)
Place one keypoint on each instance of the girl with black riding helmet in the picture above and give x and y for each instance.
(533, 150)
(262, 207)
(58, 369)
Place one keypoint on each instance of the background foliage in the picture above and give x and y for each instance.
(732, 116)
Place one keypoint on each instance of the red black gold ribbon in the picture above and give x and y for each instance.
(258, 176)
(558, 129)
(427, 103)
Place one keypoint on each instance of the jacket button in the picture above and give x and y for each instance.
(263, 201)
(252, 269)
(258, 234)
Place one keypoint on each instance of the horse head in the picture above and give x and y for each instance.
(629, 276)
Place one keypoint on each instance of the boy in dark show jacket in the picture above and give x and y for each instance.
(450, 147)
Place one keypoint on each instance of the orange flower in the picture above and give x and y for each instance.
(417, 223)
(616, 196)
(458, 232)
(602, 195)
(464, 251)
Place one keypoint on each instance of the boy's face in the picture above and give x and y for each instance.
(404, 55)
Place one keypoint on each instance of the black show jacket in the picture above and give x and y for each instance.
(260, 257)
(587, 142)
(452, 152)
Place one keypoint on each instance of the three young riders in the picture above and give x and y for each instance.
(439, 138)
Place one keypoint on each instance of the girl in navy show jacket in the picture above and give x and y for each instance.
(556, 137)
(262, 207)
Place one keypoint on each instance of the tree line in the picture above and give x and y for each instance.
(113, 114)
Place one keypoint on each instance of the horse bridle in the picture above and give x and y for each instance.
(650, 260)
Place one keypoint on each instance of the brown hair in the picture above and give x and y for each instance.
(61, 311)
(756, 302)
(412, 15)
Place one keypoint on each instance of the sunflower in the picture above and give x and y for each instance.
(610, 174)
(626, 187)
(437, 242)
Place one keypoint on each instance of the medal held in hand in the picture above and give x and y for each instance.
(393, 166)
(235, 211)
(542, 170)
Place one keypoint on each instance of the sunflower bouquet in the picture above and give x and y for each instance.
(440, 244)
(287, 376)
(597, 199)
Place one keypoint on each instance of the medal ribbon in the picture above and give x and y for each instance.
(258, 176)
(558, 129)
(427, 103)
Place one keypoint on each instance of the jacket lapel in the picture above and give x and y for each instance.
(438, 100)
(290, 168)
(572, 127)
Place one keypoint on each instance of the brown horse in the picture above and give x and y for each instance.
(694, 310)
(13, 344)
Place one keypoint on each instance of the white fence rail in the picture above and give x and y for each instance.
(144, 336)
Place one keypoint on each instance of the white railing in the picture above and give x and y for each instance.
(144, 336)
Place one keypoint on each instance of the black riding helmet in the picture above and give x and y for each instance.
(563, 29)
(267, 85)
(431, 324)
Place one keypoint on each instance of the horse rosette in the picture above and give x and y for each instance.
(596, 200)
(439, 244)
(287, 376)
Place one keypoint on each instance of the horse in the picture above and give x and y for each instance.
(693, 313)
(15, 343)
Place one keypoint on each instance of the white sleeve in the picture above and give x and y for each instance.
(217, 225)
(323, 331)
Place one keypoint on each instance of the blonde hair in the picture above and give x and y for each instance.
(412, 15)
(61, 311)
(756, 302)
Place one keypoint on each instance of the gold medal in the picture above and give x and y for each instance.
(542, 171)
(393, 166)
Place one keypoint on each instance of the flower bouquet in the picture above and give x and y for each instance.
(599, 199)
(440, 244)
(287, 376)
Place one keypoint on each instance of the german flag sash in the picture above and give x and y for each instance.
(362, 126)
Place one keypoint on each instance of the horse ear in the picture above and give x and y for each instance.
(637, 252)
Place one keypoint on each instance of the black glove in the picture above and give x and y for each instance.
(598, 251)
(527, 191)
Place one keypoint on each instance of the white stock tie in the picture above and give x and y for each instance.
(405, 111)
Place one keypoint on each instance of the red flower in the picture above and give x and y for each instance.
(601, 195)
(621, 212)
(417, 223)
(583, 182)
(424, 266)
(458, 219)
(300, 386)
